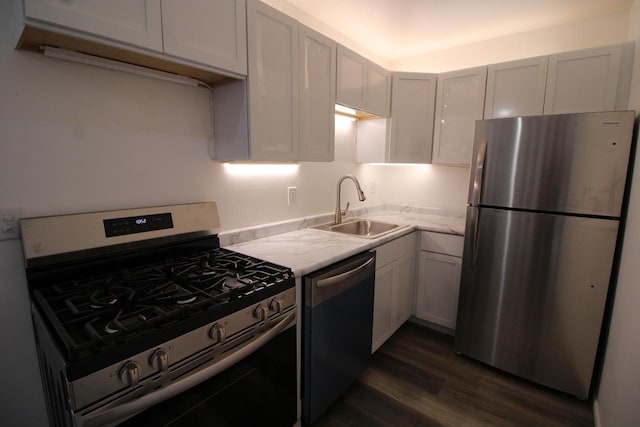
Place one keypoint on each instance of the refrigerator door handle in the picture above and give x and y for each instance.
(473, 222)
(478, 174)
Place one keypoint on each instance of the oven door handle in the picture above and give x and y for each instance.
(121, 412)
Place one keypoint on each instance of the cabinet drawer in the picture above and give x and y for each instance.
(395, 249)
(448, 244)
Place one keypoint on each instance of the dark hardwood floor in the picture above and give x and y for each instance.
(417, 380)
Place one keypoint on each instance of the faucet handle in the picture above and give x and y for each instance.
(346, 210)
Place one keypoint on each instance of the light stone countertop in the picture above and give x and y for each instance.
(306, 250)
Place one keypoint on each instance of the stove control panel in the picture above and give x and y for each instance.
(137, 224)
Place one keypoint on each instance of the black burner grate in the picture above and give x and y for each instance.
(94, 312)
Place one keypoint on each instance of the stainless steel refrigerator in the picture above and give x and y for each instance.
(545, 200)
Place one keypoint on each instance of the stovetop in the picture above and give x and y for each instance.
(141, 304)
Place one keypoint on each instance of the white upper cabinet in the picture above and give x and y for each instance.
(198, 38)
(317, 96)
(407, 137)
(516, 88)
(378, 90)
(412, 115)
(352, 79)
(209, 32)
(284, 110)
(589, 80)
(273, 83)
(459, 103)
(136, 22)
(362, 84)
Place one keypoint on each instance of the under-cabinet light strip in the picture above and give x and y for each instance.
(97, 61)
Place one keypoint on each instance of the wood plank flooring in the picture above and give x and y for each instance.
(416, 379)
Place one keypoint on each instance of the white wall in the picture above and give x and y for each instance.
(424, 185)
(617, 402)
(598, 31)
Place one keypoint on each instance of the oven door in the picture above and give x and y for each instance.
(260, 390)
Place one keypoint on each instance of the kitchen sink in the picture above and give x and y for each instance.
(361, 227)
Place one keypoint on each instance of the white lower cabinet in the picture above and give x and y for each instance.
(394, 289)
(439, 270)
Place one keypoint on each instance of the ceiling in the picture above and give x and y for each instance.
(395, 29)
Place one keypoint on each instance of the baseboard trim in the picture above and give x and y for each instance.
(432, 325)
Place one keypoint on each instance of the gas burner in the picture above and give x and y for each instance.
(110, 296)
(108, 306)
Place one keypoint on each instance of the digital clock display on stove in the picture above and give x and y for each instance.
(137, 224)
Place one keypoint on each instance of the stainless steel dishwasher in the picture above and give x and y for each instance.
(337, 326)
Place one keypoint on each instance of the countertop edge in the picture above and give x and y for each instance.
(307, 250)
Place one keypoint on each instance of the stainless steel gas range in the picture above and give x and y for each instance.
(133, 308)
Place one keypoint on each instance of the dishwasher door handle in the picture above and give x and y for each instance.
(340, 278)
(332, 281)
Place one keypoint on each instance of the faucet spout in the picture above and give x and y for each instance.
(338, 214)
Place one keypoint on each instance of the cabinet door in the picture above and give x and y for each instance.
(412, 115)
(459, 103)
(209, 32)
(516, 88)
(583, 81)
(272, 39)
(136, 22)
(405, 289)
(383, 315)
(352, 79)
(317, 96)
(378, 90)
(438, 288)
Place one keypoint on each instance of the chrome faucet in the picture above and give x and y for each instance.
(338, 215)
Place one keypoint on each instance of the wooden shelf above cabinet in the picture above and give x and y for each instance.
(34, 39)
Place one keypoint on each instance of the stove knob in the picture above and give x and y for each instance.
(276, 305)
(159, 360)
(218, 333)
(130, 373)
(261, 313)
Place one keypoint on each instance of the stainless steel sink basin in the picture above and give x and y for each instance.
(361, 228)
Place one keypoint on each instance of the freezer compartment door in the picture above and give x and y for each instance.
(574, 163)
(533, 293)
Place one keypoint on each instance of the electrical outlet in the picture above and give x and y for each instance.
(373, 187)
(292, 193)
(9, 223)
